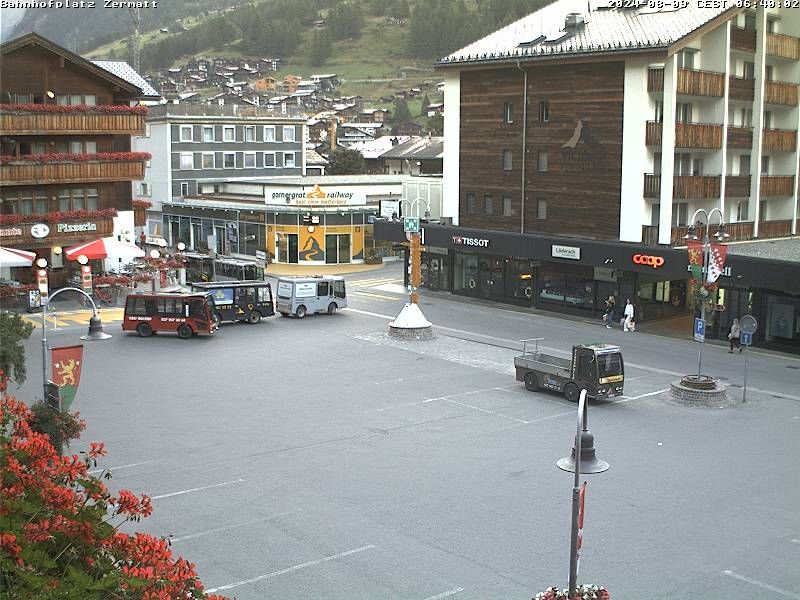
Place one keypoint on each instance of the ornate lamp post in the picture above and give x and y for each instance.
(720, 235)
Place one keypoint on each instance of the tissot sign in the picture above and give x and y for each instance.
(459, 240)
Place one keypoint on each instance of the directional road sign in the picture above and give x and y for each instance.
(411, 224)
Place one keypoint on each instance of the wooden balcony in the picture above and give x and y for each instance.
(690, 82)
(784, 46)
(777, 92)
(743, 39)
(20, 122)
(780, 140)
(30, 173)
(103, 227)
(139, 216)
(693, 82)
(698, 136)
(741, 89)
(738, 232)
(740, 137)
(684, 187)
(737, 186)
(777, 185)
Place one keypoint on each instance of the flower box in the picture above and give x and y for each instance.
(582, 592)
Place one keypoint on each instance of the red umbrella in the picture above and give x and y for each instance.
(103, 248)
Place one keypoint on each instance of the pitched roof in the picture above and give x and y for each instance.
(124, 71)
(417, 148)
(372, 149)
(606, 30)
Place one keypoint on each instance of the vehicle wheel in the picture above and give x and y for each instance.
(144, 330)
(184, 332)
(531, 383)
(571, 392)
(254, 317)
(217, 318)
(300, 312)
(332, 308)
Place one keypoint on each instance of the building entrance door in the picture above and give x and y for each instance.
(337, 248)
(286, 247)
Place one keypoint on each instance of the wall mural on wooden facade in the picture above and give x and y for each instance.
(588, 156)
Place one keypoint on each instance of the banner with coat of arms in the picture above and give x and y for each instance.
(716, 262)
(695, 249)
(66, 363)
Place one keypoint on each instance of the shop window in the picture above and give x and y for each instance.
(508, 210)
(508, 112)
(208, 133)
(488, 204)
(544, 111)
(465, 274)
(186, 133)
(472, 204)
(541, 208)
(507, 160)
(541, 162)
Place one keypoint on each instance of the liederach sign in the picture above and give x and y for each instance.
(318, 196)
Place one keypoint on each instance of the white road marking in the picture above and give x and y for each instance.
(627, 399)
(197, 489)
(796, 541)
(446, 594)
(112, 469)
(490, 412)
(762, 585)
(310, 563)
(226, 528)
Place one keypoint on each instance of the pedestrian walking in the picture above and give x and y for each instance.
(142, 239)
(609, 314)
(627, 324)
(733, 336)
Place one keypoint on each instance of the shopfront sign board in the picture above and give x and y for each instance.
(569, 252)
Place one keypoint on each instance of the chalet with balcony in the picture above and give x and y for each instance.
(65, 139)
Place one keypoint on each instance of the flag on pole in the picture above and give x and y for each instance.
(716, 262)
(581, 504)
(695, 249)
(66, 363)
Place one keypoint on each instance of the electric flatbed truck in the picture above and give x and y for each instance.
(598, 368)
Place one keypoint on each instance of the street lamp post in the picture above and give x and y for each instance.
(691, 234)
(96, 332)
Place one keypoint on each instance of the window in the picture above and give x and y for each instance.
(747, 117)
(743, 210)
(250, 133)
(659, 113)
(508, 211)
(90, 100)
(187, 160)
(472, 204)
(80, 147)
(541, 208)
(269, 133)
(748, 70)
(655, 215)
(288, 160)
(184, 188)
(65, 99)
(64, 200)
(144, 189)
(208, 160)
(697, 167)
(544, 111)
(288, 133)
(683, 112)
(762, 210)
(508, 112)
(249, 160)
(228, 133)
(750, 22)
(657, 163)
(744, 164)
(768, 72)
(186, 133)
(323, 289)
(269, 159)
(765, 165)
(229, 160)
(338, 288)
(767, 119)
(488, 204)
(685, 59)
(683, 164)
(91, 199)
(541, 162)
(770, 25)
(680, 214)
(208, 133)
(507, 160)
(39, 203)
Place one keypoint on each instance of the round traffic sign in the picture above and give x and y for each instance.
(748, 324)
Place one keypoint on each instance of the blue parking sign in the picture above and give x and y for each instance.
(699, 330)
(745, 339)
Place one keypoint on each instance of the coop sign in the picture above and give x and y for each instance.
(75, 227)
(648, 261)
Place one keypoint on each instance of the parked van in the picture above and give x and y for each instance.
(239, 300)
(299, 296)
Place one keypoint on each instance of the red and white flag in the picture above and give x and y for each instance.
(716, 262)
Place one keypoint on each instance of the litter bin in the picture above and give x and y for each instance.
(34, 301)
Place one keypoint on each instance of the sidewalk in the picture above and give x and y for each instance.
(281, 269)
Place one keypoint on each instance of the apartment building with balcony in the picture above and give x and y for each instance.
(65, 139)
(196, 148)
(578, 142)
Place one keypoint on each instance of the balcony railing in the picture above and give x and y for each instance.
(691, 82)
(777, 92)
(20, 122)
(741, 89)
(740, 137)
(738, 232)
(62, 233)
(684, 187)
(743, 39)
(737, 186)
(785, 46)
(780, 140)
(22, 172)
(700, 136)
(777, 185)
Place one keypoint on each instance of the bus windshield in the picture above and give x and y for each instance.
(609, 364)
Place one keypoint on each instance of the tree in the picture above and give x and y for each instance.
(436, 124)
(346, 162)
(13, 330)
(60, 524)
(423, 108)
(320, 48)
(401, 114)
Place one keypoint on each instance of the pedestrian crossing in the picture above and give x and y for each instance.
(74, 317)
(374, 282)
(377, 288)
